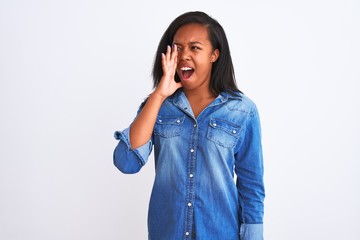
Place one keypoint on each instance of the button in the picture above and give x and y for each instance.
(234, 131)
(189, 204)
(191, 175)
(160, 120)
(178, 121)
(214, 125)
(195, 125)
(187, 233)
(192, 150)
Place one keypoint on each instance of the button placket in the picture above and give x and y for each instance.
(190, 190)
(190, 180)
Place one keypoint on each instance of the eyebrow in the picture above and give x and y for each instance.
(192, 43)
(196, 43)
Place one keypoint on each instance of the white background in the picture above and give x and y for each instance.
(72, 72)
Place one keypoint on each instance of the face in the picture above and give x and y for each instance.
(195, 56)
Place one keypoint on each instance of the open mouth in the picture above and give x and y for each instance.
(186, 73)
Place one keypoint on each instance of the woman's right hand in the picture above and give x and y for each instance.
(167, 85)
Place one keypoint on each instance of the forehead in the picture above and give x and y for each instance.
(192, 32)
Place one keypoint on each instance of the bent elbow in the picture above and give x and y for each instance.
(126, 161)
(127, 166)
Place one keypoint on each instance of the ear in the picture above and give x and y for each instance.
(215, 55)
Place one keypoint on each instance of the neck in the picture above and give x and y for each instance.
(201, 92)
(199, 100)
(199, 95)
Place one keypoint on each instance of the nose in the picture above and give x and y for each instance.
(184, 55)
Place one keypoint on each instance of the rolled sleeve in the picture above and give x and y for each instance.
(129, 160)
(251, 232)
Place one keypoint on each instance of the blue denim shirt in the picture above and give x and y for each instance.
(195, 194)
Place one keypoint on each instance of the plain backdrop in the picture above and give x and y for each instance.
(74, 71)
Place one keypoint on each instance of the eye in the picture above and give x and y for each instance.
(179, 49)
(195, 48)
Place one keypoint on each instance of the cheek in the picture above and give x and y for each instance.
(205, 65)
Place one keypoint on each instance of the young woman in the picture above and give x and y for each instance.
(203, 130)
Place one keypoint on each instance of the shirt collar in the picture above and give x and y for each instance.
(179, 97)
(224, 96)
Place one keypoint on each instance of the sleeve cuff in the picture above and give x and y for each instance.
(142, 152)
(251, 231)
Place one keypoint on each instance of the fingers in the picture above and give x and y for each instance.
(169, 59)
(171, 54)
(174, 53)
(168, 53)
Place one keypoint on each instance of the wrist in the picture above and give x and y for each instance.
(159, 96)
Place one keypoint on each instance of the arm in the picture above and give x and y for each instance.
(142, 128)
(249, 171)
(135, 144)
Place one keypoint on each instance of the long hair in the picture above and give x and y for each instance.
(222, 73)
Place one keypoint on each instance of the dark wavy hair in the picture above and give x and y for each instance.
(222, 73)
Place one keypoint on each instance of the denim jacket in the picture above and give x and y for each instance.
(195, 194)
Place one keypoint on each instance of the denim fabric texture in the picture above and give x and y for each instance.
(208, 170)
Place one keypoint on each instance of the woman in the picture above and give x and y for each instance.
(203, 130)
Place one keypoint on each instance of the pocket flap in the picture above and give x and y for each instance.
(226, 126)
(175, 120)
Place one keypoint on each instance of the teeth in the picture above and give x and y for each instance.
(185, 68)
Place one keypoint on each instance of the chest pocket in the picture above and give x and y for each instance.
(169, 126)
(223, 133)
